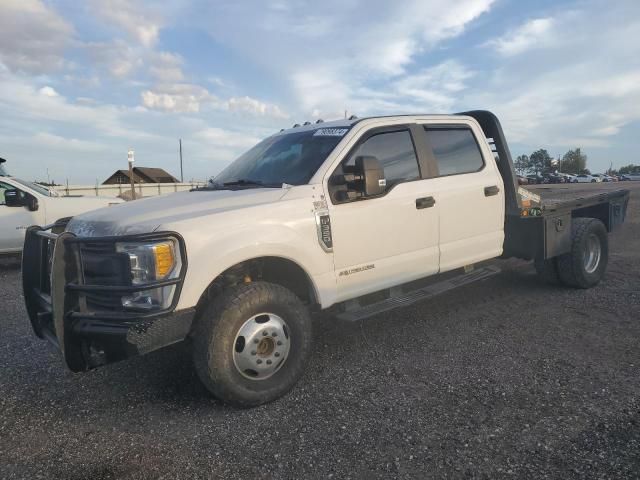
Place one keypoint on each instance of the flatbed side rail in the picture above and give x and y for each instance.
(549, 234)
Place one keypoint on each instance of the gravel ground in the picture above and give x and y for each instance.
(504, 378)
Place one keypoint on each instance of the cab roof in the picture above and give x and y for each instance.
(351, 121)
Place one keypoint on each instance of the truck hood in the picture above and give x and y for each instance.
(146, 215)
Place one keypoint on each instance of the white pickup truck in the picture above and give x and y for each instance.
(359, 215)
(23, 204)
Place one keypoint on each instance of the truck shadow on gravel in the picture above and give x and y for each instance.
(10, 263)
(167, 376)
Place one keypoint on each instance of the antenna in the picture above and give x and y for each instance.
(181, 174)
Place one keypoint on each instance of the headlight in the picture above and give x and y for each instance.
(150, 262)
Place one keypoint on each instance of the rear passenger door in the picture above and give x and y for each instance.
(469, 192)
(392, 238)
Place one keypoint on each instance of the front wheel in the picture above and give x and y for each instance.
(251, 344)
(585, 264)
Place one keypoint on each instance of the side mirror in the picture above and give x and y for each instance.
(17, 198)
(364, 179)
(372, 175)
(14, 198)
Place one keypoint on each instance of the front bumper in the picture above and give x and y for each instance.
(62, 305)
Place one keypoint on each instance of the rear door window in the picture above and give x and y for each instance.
(455, 149)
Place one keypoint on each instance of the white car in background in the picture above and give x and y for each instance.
(570, 177)
(631, 176)
(602, 177)
(584, 178)
(23, 204)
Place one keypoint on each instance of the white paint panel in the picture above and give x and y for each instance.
(387, 232)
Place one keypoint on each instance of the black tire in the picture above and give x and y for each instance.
(214, 342)
(571, 266)
(547, 270)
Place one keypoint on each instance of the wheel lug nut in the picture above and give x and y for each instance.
(279, 342)
(268, 362)
(253, 352)
(275, 334)
(277, 354)
(258, 361)
(255, 340)
(265, 333)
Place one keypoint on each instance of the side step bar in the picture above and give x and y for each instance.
(409, 298)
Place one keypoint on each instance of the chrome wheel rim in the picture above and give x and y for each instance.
(592, 253)
(261, 346)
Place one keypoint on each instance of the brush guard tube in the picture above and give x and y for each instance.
(55, 297)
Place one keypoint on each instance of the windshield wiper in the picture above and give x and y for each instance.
(242, 183)
(245, 182)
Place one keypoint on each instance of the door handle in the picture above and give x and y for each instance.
(425, 202)
(491, 191)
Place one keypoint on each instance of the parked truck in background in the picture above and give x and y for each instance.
(24, 203)
(356, 215)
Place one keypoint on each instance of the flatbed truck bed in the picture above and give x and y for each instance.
(555, 197)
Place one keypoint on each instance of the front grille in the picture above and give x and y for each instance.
(104, 302)
(102, 265)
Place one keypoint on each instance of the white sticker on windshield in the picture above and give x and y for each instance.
(330, 132)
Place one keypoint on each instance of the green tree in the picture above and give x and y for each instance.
(631, 169)
(540, 161)
(522, 164)
(574, 161)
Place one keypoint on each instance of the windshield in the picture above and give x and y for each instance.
(292, 158)
(33, 186)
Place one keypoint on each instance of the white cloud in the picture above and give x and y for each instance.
(436, 87)
(62, 143)
(345, 46)
(220, 137)
(48, 92)
(536, 33)
(189, 98)
(321, 89)
(256, 107)
(581, 92)
(141, 22)
(33, 36)
(180, 97)
(166, 67)
(400, 31)
(119, 58)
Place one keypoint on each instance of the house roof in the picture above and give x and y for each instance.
(157, 175)
(145, 175)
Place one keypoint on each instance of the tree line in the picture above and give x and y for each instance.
(574, 161)
(540, 163)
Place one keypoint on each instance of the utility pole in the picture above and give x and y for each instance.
(131, 160)
(181, 174)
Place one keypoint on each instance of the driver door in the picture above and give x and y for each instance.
(391, 238)
(13, 223)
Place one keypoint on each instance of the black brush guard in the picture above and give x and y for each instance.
(56, 298)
